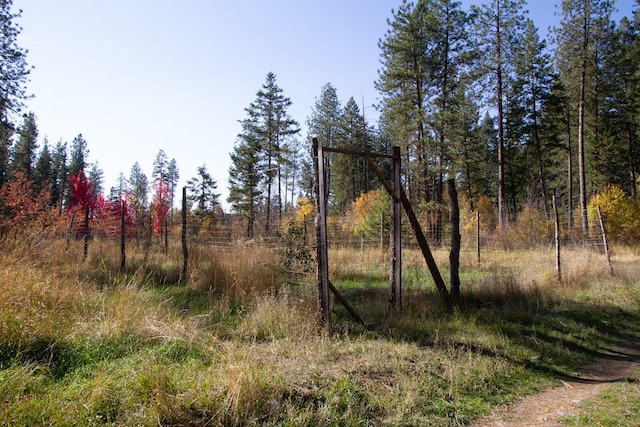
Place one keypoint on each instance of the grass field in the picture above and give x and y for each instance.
(239, 344)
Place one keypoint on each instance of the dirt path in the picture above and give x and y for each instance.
(544, 409)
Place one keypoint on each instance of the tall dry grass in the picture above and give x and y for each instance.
(240, 270)
(83, 344)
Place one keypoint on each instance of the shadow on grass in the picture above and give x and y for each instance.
(61, 357)
(539, 332)
(105, 273)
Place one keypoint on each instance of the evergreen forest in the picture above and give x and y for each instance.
(476, 95)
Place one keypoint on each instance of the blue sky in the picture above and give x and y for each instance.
(137, 76)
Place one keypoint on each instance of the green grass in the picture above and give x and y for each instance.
(83, 345)
(618, 405)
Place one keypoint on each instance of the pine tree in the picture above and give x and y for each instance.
(6, 133)
(245, 175)
(272, 125)
(166, 170)
(578, 54)
(160, 167)
(137, 197)
(474, 161)
(15, 75)
(15, 70)
(173, 176)
(203, 195)
(619, 147)
(119, 192)
(556, 151)
(629, 75)
(525, 144)
(78, 155)
(324, 121)
(448, 56)
(138, 185)
(96, 177)
(350, 174)
(59, 173)
(324, 124)
(291, 170)
(24, 152)
(403, 85)
(448, 60)
(268, 127)
(499, 32)
(43, 171)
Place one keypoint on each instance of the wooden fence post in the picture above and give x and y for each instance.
(381, 244)
(123, 255)
(69, 231)
(185, 251)
(557, 239)
(478, 235)
(454, 255)
(604, 240)
(395, 237)
(166, 235)
(321, 234)
(85, 233)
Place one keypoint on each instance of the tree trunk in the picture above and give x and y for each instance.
(267, 225)
(569, 175)
(499, 95)
(581, 125)
(536, 137)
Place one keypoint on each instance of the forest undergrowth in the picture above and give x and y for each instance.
(239, 344)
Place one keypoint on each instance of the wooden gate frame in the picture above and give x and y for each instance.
(398, 198)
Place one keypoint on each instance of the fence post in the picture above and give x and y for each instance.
(557, 239)
(321, 234)
(382, 234)
(478, 235)
(454, 255)
(604, 240)
(395, 238)
(85, 233)
(185, 251)
(123, 255)
(166, 235)
(69, 230)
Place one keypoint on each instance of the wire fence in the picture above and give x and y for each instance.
(287, 233)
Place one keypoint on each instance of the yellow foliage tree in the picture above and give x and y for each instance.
(366, 212)
(620, 214)
(305, 208)
(531, 227)
(487, 215)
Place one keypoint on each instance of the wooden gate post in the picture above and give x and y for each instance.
(395, 238)
(321, 234)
